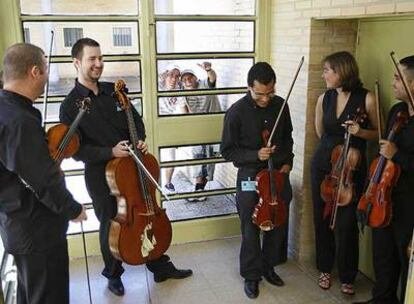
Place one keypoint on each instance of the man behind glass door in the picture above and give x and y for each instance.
(201, 104)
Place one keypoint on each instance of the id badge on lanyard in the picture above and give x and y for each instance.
(249, 185)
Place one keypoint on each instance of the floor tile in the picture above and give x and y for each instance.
(216, 279)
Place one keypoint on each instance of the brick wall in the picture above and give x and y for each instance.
(313, 28)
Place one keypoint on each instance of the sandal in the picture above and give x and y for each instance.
(348, 289)
(324, 281)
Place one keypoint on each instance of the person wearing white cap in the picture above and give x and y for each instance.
(203, 103)
(200, 104)
(170, 80)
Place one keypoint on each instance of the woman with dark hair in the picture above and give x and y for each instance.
(334, 111)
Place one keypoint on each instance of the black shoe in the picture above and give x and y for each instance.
(173, 274)
(116, 286)
(251, 289)
(273, 278)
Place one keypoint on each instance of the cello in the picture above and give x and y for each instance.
(271, 210)
(337, 188)
(140, 231)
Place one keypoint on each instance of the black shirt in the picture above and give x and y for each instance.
(244, 123)
(333, 126)
(100, 129)
(103, 126)
(333, 130)
(34, 203)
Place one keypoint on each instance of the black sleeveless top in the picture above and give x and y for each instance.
(333, 130)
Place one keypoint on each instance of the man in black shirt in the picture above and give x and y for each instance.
(35, 205)
(104, 135)
(242, 144)
(390, 243)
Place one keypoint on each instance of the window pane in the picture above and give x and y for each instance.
(76, 185)
(92, 224)
(26, 33)
(189, 153)
(62, 76)
(137, 103)
(211, 7)
(181, 209)
(219, 176)
(52, 111)
(205, 36)
(78, 7)
(71, 164)
(177, 105)
(9, 278)
(231, 72)
(2, 251)
(66, 34)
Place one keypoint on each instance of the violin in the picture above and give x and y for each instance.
(141, 230)
(337, 188)
(375, 205)
(271, 210)
(63, 142)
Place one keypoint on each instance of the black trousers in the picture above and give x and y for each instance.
(43, 278)
(390, 261)
(105, 210)
(259, 255)
(343, 241)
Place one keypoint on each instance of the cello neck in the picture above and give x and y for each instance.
(133, 134)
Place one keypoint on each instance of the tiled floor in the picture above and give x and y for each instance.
(212, 206)
(215, 280)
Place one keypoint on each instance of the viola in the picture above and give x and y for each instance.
(375, 205)
(337, 188)
(141, 230)
(63, 142)
(271, 210)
